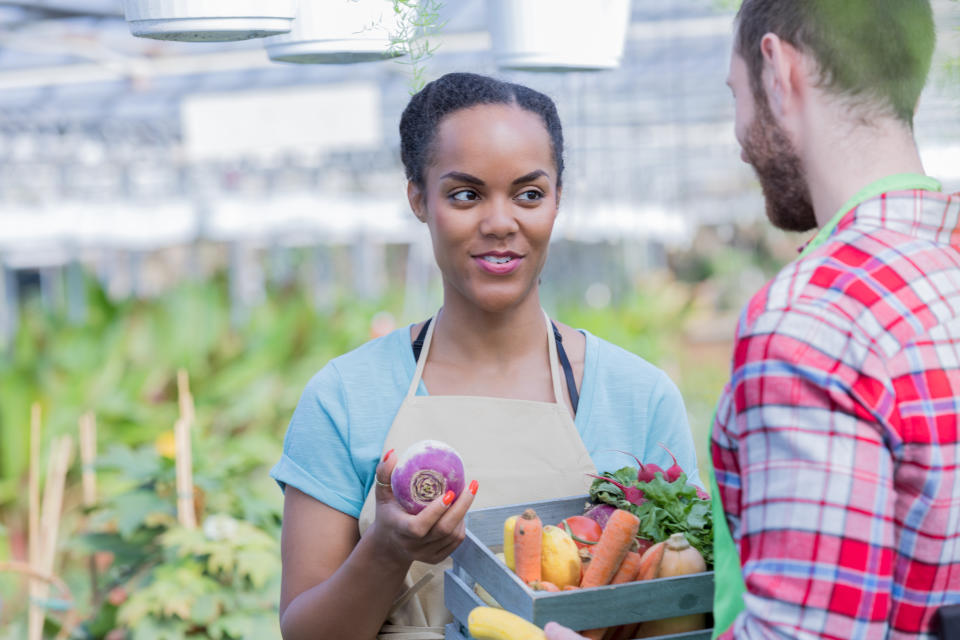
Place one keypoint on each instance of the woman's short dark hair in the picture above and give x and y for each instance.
(877, 51)
(455, 91)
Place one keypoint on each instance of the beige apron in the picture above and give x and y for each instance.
(518, 450)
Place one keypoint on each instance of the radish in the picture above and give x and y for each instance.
(426, 471)
(600, 513)
(675, 471)
(646, 472)
(632, 494)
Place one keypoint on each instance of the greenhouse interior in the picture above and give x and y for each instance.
(189, 231)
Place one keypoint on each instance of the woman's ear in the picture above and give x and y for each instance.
(417, 200)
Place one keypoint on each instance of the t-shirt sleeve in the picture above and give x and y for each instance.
(669, 426)
(316, 450)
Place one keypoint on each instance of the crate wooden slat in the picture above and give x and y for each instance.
(459, 597)
(475, 562)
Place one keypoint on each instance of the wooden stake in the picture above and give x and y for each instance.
(88, 454)
(188, 410)
(35, 615)
(184, 461)
(60, 456)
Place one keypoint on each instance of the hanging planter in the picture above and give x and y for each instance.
(337, 32)
(558, 35)
(208, 20)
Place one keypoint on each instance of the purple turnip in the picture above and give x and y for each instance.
(600, 513)
(425, 472)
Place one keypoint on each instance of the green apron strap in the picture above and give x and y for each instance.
(728, 600)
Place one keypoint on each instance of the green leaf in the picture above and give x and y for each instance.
(133, 508)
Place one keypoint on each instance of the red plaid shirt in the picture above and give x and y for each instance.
(835, 444)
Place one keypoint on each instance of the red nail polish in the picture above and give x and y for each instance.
(474, 486)
(386, 455)
(448, 497)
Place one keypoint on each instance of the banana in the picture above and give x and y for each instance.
(486, 623)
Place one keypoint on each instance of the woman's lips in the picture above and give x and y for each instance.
(496, 266)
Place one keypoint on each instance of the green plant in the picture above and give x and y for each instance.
(419, 21)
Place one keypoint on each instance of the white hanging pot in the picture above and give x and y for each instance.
(208, 20)
(558, 35)
(337, 32)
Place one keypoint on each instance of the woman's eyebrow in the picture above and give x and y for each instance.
(533, 175)
(465, 177)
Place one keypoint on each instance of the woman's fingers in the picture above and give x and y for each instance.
(382, 489)
(442, 517)
(555, 631)
(453, 517)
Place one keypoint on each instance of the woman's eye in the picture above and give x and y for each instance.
(531, 195)
(464, 196)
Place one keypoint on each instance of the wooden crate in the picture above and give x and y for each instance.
(474, 562)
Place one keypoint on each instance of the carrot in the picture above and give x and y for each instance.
(527, 539)
(543, 585)
(628, 569)
(611, 549)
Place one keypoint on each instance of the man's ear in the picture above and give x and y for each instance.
(417, 200)
(784, 77)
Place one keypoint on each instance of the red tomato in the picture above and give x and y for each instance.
(583, 528)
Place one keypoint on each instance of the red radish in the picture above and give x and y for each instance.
(600, 513)
(703, 495)
(646, 472)
(424, 472)
(675, 471)
(632, 494)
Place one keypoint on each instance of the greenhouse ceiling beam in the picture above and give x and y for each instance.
(70, 8)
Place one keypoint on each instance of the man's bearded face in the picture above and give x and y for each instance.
(773, 157)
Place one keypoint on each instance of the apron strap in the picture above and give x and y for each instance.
(422, 359)
(554, 373)
(553, 338)
(567, 370)
(412, 591)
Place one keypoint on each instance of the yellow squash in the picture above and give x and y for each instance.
(485, 623)
(508, 527)
(559, 558)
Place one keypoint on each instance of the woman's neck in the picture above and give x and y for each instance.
(466, 333)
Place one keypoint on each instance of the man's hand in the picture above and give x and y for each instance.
(555, 631)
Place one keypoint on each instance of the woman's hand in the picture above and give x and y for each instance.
(430, 536)
(555, 631)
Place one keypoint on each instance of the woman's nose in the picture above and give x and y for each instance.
(498, 218)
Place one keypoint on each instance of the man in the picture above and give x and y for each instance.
(835, 444)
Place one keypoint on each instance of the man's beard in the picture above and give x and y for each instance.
(777, 165)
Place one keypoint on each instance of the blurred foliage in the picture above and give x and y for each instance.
(221, 581)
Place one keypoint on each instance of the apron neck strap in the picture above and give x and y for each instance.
(551, 347)
(422, 360)
(554, 368)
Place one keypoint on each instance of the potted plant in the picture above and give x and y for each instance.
(558, 35)
(208, 20)
(338, 32)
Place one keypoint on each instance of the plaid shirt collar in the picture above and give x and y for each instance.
(883, 189)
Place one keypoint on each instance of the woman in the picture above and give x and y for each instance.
(484, 161)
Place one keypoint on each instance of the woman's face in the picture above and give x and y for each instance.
(490, 199)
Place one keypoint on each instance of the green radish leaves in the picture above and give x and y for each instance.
(670, 507)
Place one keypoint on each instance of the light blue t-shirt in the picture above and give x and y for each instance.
(336, 435)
